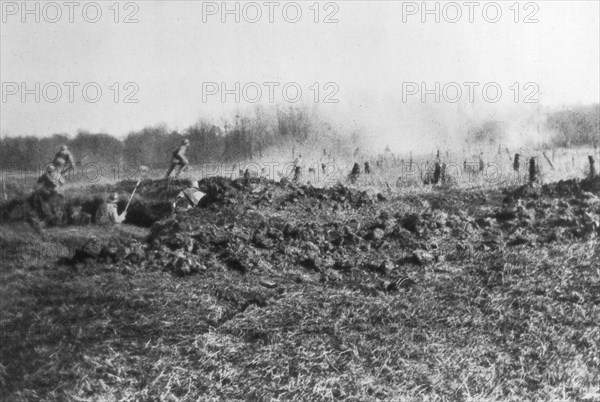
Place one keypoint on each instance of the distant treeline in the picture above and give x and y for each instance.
(248, 138)
(244, 139)
(578, 126)
(574, 127)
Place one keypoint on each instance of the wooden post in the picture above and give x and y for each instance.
(592, 166)
(517, 163)
(532, 171)
(437, 172)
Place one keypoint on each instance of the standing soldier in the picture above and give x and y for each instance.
(179, 159)
(64, 160)
(298, 167)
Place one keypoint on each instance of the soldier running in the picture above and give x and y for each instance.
(64, 160)
(179, 159)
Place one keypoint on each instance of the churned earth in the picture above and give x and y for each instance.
(284, 291)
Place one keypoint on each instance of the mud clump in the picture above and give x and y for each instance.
(45, 207)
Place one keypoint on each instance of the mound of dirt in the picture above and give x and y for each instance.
(567, 208)
(562, 188)
(41, 206)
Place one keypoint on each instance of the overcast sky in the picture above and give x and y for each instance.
(368, 55)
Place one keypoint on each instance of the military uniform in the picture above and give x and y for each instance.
(108, 214)
(190, 197)
(51, 180)
(64, 160)
(179, 159)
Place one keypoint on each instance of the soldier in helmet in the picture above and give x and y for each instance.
(108, 213)
(188, 198)
(64, 160)
(179, 159)
(51, 180)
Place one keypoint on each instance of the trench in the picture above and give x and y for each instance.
(59, 211)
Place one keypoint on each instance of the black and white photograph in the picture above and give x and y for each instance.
(312, 200)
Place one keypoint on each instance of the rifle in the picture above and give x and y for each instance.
(132, 193)
(144, 171)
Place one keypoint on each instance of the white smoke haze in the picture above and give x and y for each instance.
(369, 54)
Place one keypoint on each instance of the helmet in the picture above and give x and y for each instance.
(50, 168)
(114, 197)
(64, 147)
(186, 142)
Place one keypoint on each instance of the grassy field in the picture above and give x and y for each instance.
(395, 172)
(420, 294)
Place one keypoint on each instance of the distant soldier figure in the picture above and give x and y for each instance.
(108, 213)
(297, 173)
(298, 167)
(367, 168)
(592, 166)
(64, 160)
(355, 173)
(481, 164)
(188, 198)
(179, 159)
(51, 180)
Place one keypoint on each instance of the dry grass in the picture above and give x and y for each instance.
(520, 325)
(510, 323)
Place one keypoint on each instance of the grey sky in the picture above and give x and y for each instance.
(368, 54)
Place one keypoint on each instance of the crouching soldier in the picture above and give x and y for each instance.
(188, 198)
(179, 159)
(51, 180)
(108, 213)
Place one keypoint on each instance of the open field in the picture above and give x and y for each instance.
(399, 173)
(284, 291)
